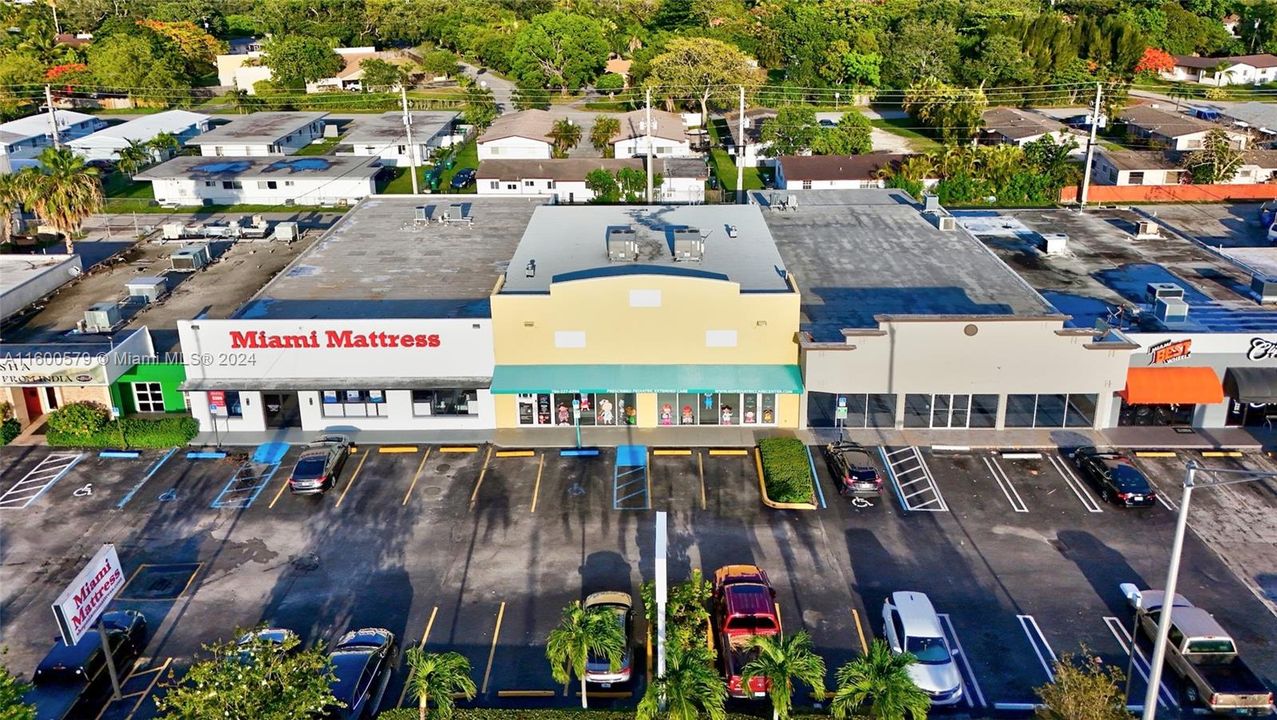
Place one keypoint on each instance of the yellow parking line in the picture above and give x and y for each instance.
(159, 671)
(421, 466)
(1221, 453)
(860, 631)
(700, 469)
(659, 453)
(455, 449)
(1155, 454)
(606, 693)
(354, 476)
(526, 693)
(478, 483)
(385, 449)
(728, 452)
(282, 487)
(536, 489)
(420, 646)
(515, 453)
(492, 653)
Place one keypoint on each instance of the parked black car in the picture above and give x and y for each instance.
(463, 178)
(72, 681)
(319, 464)
(362, 663)
(853, 469)
(1114, 477)
(265, 640)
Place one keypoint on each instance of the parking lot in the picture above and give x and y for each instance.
(476, 549)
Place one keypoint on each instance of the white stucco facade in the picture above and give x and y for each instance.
(514, 148)
(661, 147)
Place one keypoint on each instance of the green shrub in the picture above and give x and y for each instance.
(530, 714)
(786, 470)
(9, 429)
(137, 433)
(609, 82)
(78, 420)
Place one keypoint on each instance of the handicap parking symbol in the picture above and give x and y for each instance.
(85, 491)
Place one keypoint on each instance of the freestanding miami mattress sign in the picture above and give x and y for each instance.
(80, 605)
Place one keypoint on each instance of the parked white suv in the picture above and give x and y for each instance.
(911, 625)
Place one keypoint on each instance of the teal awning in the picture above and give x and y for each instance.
(513, 379)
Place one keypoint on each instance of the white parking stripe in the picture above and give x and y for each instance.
(36, 482)
(1041, 647)
(906, 468)
(964, 664)
(1075, 484)
(1005, 484)
(1164, 696)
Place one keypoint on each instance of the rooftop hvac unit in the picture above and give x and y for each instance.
(147, 287)
(1265, 288)
(190, 258)
(287, 231)
(947, 223)
(622, 244)
(101, 317)
(1171, 310)
(173, 231)
(930, 203)
(689, 245)
(1147, 229)
(1055, 243)
(1157, 291)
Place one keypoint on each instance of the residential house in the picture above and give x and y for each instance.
(1013, 126)
(668, 135)
(1219, 71)
(1136, 167)
(243, 69)
(262, 133)
(683, 180)
(755, 150)
(1259, 118)
(833, 172)
(383, 136)
(562, 178)
(107, 144)
(522, 135)
(196, 180)
(23, 139)
(1258, 166)
(1172, 131)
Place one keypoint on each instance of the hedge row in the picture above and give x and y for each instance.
(410, 713)
(138, 433)
(9, 429)
(786, 470)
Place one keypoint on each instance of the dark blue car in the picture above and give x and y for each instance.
(463, 178)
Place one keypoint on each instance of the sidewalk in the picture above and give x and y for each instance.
(1125, 437)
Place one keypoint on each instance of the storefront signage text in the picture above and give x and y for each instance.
(258, 339)
(1170, 351)
(1261, 349)
(88, 595)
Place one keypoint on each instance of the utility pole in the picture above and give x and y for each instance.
(648, 125)
(1090, 148)
(412, 149)
(53, 116)
(1164, 620)
(740, 149)
(662, 595)
(57, 26)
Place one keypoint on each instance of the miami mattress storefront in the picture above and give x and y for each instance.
(255, 375)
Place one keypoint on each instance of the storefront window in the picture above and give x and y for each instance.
(595, 409)
(1155, 415)
(707, 408)
(1081, 411)
(148, 397)
(882, 410)
(749, 409)
(449, 401)
(234, 406)
(668, 409)
(1020, 410)
(353, 403)
(1251, 414)
(1050, 411)
(917, 410)
(984, 411)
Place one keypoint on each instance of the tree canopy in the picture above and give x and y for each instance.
(295, 60)
(559, 50)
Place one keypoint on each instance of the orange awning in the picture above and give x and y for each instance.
(1172, 386)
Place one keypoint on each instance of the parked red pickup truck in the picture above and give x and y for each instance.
(744, 606)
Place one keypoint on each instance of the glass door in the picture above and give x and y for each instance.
(939, 411)
(961, 411)
(950, 411)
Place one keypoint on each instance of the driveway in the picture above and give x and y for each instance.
(502, 89)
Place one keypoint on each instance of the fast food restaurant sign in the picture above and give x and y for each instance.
(1169, 351)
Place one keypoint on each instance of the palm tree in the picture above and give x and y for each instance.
(133, 157)
(163, 145)
(1000, 162)
(437, 676)
(917, 167)
(780, 661)
(605, 126)
(64, 191)
(565, 134)
(12, 195)
(581, 633)
(691, 687)
(877, 686)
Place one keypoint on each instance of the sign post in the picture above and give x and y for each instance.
(840, 414)
(118, 417)
(576, 419)
(82, 603)
(662, 593)
(216, 407)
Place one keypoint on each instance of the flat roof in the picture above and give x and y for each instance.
(570, 243)
(1170, 124)
(258, 127)
(1255, 114)
(239, 270)
(387, 128)
(378, 262)
(18, 270)
(860, 254)
(836, 167)
(1139, 159)
(268, 167)
(557, 169)
(38, 124)
(145, 127)
(1018, 124)
(1106, 267)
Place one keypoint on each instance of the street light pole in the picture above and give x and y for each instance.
(1168, 601)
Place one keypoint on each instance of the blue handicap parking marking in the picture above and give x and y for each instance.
(251, 477)
(270, 453)
(629, 480)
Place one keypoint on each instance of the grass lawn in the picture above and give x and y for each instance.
(902, 127)
(320, 148)
(400, 182)
(724, 165)
(467, 156)
(118, 185)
